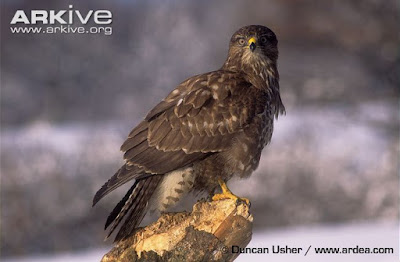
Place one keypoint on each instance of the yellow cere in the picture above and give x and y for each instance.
(252, 40)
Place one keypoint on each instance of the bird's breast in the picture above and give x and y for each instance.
(246, 151)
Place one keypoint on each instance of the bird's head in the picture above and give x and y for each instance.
(250, 46)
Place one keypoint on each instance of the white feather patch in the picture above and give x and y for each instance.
(174, 186)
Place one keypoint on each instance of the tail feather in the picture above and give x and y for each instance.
(135, 202)
(135, 216)
(118, 208)
(127, 205)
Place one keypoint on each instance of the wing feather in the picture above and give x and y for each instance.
(200, 117)
(135, 140)
(133, 152)
(155, 136)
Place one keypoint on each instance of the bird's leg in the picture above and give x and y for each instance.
(227, 194)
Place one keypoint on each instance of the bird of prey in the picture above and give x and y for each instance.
(210, 128)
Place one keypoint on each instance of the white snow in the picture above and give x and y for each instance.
(341, 236)
(367, 235)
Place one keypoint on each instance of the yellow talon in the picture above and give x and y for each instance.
(227, 194)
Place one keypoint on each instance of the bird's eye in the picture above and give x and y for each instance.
(241, 41)
(263, 39)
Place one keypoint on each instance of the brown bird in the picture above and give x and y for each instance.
(210, 128)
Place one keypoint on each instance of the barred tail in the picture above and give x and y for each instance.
(134, 203)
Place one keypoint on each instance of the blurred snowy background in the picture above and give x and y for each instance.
(68, 102)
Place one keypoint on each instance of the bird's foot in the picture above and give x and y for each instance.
(227, 194)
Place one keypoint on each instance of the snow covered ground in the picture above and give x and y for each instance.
(368, 235)
(335, 236)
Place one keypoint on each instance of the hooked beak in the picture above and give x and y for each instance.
(252, 44)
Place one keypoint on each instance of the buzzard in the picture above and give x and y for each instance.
(210, 128)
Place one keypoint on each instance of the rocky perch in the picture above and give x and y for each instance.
(205, 234)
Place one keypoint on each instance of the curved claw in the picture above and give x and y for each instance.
(227, 194)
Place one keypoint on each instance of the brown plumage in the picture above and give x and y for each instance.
(209, 128)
